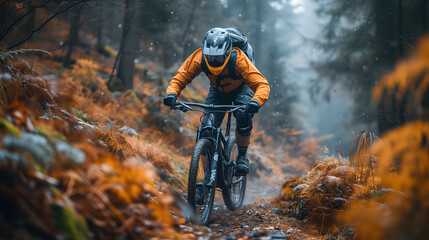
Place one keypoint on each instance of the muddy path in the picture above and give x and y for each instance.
(259, 220)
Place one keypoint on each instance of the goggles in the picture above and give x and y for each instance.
(216, 61)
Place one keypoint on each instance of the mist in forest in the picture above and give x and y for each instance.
(88, 148)
(321, 58)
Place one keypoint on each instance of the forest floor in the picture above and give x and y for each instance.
(132, 151)
(151, 145)
(257, 220)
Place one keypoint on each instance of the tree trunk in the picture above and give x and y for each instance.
(257, 39)
(184, 40)
(100, 25)
(400, 37)
(73, 36)
(30, 25)
(387, 42)
(129, 45)
(425, 10)
(3, 9)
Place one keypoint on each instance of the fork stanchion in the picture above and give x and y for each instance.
(228, 126)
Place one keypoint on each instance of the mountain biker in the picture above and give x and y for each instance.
(241, 84)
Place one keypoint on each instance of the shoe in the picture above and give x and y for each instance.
(242, 166)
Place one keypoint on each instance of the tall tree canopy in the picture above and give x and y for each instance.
(362, 41)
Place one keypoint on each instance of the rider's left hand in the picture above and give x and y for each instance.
(170, 100)
(252, 106)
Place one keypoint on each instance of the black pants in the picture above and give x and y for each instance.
(239, 96)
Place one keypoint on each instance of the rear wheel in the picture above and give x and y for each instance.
(201, 196)
(233, 195)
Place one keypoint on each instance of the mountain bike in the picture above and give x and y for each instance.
(213, 163)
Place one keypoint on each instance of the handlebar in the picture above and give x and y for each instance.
(187, 106)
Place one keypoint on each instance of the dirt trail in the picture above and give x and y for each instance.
(259, 221)
(258, 218)
(255, 220)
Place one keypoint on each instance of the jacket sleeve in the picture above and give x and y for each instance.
(186, 73)
(252, 77)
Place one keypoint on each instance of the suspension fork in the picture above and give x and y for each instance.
(198, 134)
(214, 163)
(228, 127)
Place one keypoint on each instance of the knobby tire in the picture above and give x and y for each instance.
(203, 146)
(233, 196)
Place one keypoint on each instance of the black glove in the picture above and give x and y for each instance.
(252, 106)
(170, 100)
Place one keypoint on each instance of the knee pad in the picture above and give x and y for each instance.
(244, 123)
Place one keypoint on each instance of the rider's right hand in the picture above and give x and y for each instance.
(170, 100)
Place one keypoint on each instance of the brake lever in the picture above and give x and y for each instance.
(186, 107)
(239, 108)
(182, 107)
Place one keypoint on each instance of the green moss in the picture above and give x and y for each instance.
(180, 169)
(120, 121)
(71, 226)
(54, 191)
(61, 137)
(206, 229)
(44, 132)
(82, 116)
(176, 182)
(116, 84)
(156, 183)
(2, 94)
(173, 180)
(8, 126)
(131, 96)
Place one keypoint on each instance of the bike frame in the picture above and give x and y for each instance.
(219, 139)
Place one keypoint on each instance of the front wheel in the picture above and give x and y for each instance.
(201, 196)
(233, 195)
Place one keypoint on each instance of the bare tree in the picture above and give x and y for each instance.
(61, 8)
(100, 25)
(73, 35)
(184, 40)
(129, 45)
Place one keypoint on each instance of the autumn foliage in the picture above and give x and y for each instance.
(381, 191)
(400, 207)
(63, 173)
(320, 194)
(407, 87)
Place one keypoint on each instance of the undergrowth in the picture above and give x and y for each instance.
(382, 190)
(62, 176)
(400, 208)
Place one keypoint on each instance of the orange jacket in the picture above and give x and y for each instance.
(244, 68)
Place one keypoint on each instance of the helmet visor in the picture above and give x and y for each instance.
(216, 61)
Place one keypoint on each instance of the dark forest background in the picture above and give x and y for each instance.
(359, 42)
